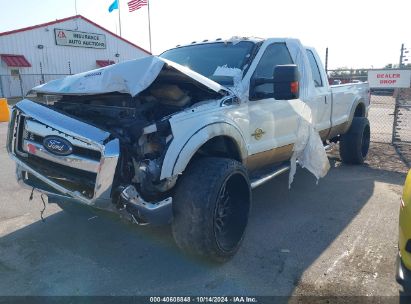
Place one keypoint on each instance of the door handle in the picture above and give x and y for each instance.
(325, 99)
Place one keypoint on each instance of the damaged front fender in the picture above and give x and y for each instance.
(182, 151)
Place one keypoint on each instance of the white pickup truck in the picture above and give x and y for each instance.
(183, 138)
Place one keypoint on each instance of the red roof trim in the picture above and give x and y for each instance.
(38, 25)
(71, 18)
(103, 63)
(18, 61)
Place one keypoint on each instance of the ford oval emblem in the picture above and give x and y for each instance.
(57, 145)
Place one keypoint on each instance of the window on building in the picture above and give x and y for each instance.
(15, 72)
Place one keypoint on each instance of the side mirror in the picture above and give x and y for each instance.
(286, 82)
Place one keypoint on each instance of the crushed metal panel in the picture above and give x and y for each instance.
(130, 77)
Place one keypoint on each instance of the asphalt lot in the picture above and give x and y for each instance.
(335, 238)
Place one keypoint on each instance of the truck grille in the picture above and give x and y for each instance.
(70, 178)
(31, 133)
(83, 152)
(85, 171)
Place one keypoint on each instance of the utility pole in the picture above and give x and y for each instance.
(149, 25)
(402, 55)
(119, 16)
(326, 60)
(395, 123)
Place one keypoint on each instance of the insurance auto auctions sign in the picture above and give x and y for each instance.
(389, 78)
(80, 39)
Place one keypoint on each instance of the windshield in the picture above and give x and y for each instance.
(205, 58)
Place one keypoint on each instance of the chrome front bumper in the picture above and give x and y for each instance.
(36, 120)
(30, 121)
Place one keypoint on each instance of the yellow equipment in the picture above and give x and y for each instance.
(404, 240)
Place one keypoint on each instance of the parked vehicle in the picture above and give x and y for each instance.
(403, 268)
(184, 137)
(382, 91)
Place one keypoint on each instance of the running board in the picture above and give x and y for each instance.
(266, 177)
(279, 170)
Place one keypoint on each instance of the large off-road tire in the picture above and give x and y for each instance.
(355, 143)
(211, 207)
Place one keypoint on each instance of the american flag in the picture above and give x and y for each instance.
(134, 5)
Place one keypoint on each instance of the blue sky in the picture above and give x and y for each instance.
(358, 33)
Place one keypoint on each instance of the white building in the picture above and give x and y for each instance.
(40, 53)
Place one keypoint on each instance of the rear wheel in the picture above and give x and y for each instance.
(355, 143)
(211, 208)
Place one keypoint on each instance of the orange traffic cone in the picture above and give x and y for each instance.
(4, 110)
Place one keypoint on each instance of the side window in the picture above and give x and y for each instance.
(275, 54)
(314, 69)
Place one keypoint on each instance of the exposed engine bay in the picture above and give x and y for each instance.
(141, 123)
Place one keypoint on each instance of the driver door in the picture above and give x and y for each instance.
(272, 123)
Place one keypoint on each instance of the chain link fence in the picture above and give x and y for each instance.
(402, 125)
(17, 86)
(381, 116)
(342, 76)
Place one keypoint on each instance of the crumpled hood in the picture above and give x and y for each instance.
(131, 77)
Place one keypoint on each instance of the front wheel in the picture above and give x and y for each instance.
(211, 208)
(355, 143)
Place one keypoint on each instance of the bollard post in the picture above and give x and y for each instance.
(4, 110)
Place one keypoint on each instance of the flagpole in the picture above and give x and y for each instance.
(149, 25)
(119, 16)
